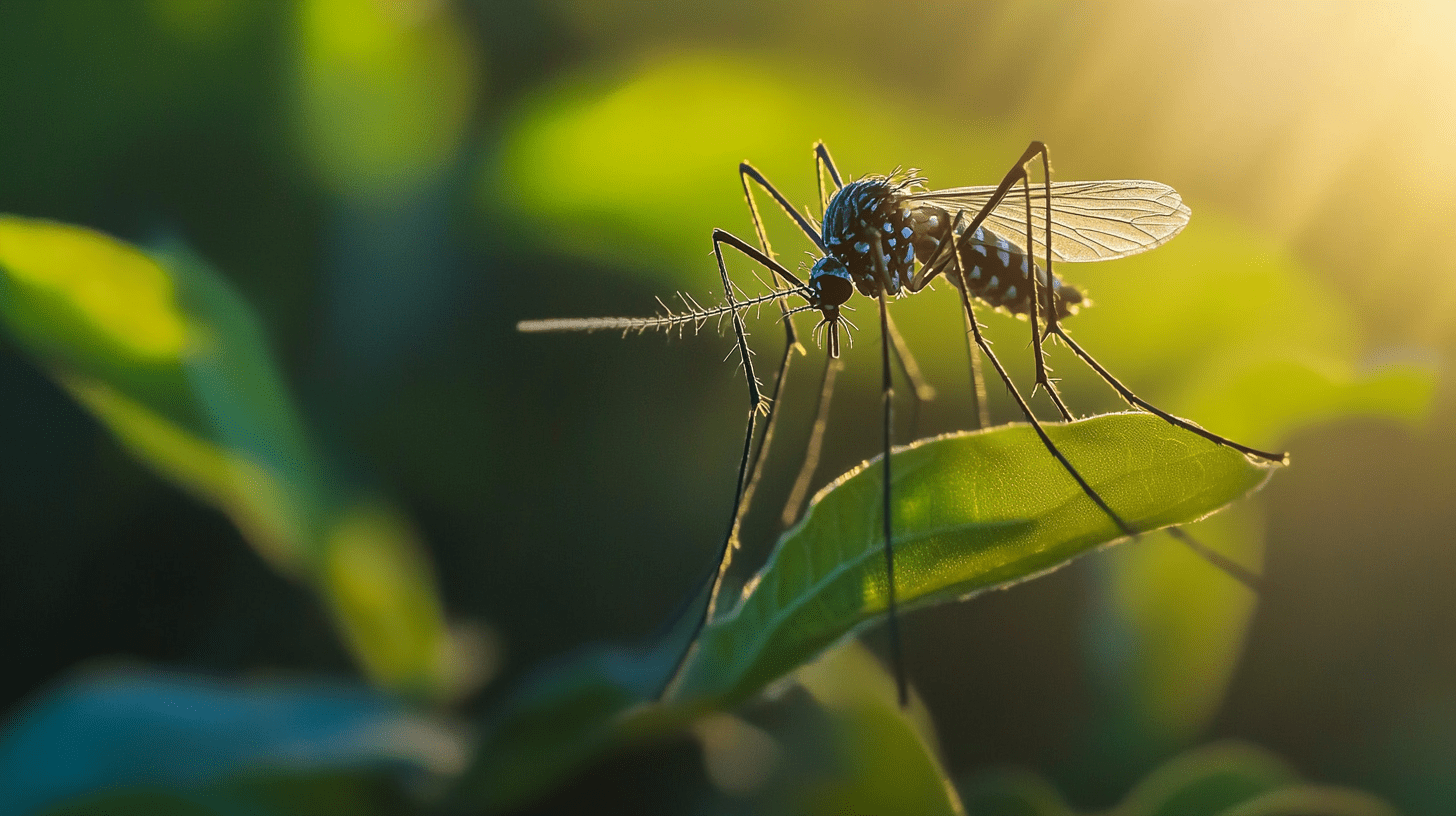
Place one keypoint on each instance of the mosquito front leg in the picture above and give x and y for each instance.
(823, 162)
(756, 405)
(747, 173)
(892, 618)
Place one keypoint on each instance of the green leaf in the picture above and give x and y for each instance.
(165, 354)
(973, 511)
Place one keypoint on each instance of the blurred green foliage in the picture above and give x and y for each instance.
(148, 742)
(165, 353)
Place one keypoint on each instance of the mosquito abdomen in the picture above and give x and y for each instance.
(999, 273)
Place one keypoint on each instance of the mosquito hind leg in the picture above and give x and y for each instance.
(1138, 402)
(1043, 379)
(1025, 408)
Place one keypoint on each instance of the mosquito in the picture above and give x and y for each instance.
(890, 237)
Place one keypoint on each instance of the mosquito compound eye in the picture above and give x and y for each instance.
(833, 290)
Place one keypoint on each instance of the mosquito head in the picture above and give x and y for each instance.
(830, 284)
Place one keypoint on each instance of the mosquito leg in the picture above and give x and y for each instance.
(1232, 568)
(770, 423)
(823, 162)
(1046, 299)
(978, 382)
(1026, 409)
(832, 366)
(892, 620)
(756, 405)
(1136, 401)
(1043, 381)
(810, 463)
(920, 390)
(747, 172)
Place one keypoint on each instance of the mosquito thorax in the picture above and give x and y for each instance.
(866, 231)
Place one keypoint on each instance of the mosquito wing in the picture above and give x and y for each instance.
(1091, 220)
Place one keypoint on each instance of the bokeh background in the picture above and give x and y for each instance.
(392, 184)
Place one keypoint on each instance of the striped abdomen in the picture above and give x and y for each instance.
(997, 271)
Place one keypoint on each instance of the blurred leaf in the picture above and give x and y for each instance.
(1222, 779)
(385, 91)
(1013, 792)
(887, 756)
(563, 716)
(186, 745)
(639, 169)
(165, 354)
(973, 511)
(1273, 398)
(281, 793)
(1175, 627)
(1207, 781)
(1313, 800)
